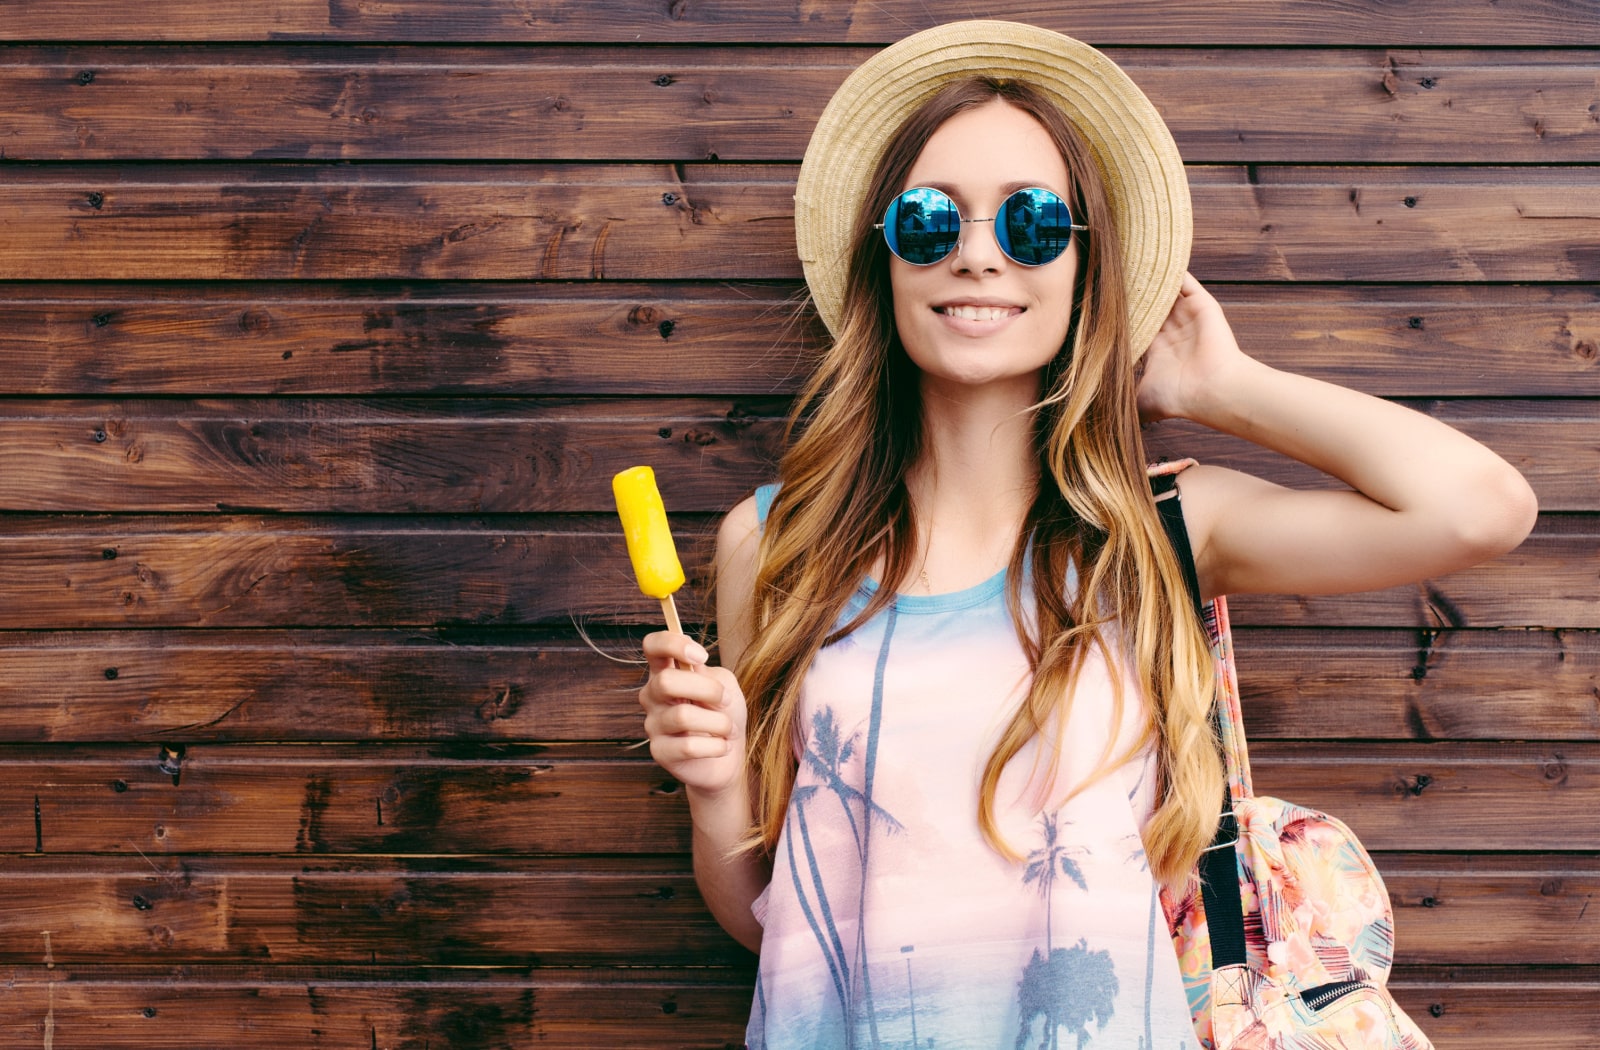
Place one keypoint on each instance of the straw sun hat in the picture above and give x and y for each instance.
(1143, 173)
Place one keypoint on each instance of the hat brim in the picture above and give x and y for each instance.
(1138, 159)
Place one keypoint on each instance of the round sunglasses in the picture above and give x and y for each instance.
(923, 226)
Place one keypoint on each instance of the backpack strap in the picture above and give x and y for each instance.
(1219, 870)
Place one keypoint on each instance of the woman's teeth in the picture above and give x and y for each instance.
(977, 313)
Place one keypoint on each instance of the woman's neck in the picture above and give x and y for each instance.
(972, 485)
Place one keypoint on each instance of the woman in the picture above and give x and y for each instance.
(959, 736)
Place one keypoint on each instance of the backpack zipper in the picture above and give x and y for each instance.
(1322, 995)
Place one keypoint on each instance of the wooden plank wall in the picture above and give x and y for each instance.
(323, 324)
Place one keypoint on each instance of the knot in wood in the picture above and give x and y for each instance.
(666, 327)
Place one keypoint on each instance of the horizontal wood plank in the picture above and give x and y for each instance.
(1490, 1008)
(531, 799)
(751, 103)
(524, 913)
(265, 685)
(695, 339)
(129, 1008)
(1449, 910)
(165, 798)
(448, 457)
(255, 571)
(519, 222)
(604, 337)
(1433, 22)
(517, 456)
(1423, 685)
(517, 684)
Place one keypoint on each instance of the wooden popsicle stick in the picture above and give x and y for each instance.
(669, 609)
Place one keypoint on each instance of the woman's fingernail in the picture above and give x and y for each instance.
(696, 653)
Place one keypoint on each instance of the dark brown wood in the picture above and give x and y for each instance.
(530, 912)
(447, 799)
(1489, 1008)
(517, 684)
(241, 570)
(516, 222)
(1552, 23)
(752, 104)
(694, 339)
(502, 339)
(1445, 906)
(516, 456)
(262, 685)
(604, 799)
(527, 912)
(1423, 685)
(449, 456)
(139, 1008)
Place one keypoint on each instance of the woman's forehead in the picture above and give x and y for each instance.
(995, 147)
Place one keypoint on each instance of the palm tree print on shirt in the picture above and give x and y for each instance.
(829, 755)
(1066, 987)
(1042, 865)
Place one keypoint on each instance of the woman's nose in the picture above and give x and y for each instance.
(977, 251)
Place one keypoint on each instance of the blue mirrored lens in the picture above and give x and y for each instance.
(922, 226)
(1034, 226)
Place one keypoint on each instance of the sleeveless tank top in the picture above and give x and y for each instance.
(891, 922)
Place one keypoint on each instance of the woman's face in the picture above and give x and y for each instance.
(977, 318)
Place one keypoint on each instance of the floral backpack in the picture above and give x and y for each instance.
(1286, 938)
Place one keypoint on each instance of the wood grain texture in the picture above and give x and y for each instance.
(454, 456)
(264, 685)
(396, 1008)
(507, 799)
(531, 912)
(364, 911)
(651, 221)
(1430, 22)
(682, 338)
(752, 103)
(241, 570)
(447, 457)
(518, 684)
(424, 338)
(1424, 685)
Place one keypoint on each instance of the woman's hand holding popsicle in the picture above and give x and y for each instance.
(695, 718)
(694, 713)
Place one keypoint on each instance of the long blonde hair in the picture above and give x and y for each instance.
(843, 506)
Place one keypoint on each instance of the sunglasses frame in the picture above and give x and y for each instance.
(962, 221)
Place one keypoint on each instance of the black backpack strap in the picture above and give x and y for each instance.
(1219, 871)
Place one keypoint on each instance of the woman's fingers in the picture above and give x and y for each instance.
(680, 719)
(664, 649)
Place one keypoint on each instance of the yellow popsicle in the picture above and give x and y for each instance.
(650, 547)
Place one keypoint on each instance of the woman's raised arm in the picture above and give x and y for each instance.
(1427, 499)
